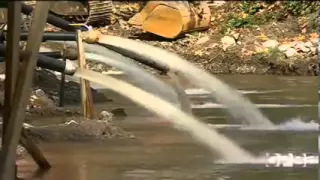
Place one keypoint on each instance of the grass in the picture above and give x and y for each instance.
(255, 13)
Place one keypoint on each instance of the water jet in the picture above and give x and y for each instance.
(216, 142)
(239, 107)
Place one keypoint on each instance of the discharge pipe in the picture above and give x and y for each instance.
(47, 36)
(52, 19)
(88, 37)
(47, 62)
(93, 36)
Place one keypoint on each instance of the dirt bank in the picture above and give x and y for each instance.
(244, 38)
(72, 127)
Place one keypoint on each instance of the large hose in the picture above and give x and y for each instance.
(47, 36)
(47, 62)
(96, 49)
(139, 75)
(54, 20)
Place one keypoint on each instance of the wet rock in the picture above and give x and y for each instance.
(291, 52)
(270, 44)
(78, 131)
(119, 112)
(105, 115)
(227, 41)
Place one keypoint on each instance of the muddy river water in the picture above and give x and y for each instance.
(161, 152)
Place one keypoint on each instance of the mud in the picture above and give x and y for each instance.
(78, 131)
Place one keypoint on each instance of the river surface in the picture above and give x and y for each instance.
(160, 152)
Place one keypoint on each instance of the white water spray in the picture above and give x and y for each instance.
(228, 150)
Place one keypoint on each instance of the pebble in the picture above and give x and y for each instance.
(290, 52)
(227, 41)
(39, 92)
(302, 47)
(203, 40)
(308, 44)
(270, 44)
(284, 47)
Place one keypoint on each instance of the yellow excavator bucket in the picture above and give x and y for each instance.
(169, 19)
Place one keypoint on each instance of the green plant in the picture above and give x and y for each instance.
(251, 7)
(299, 8)
(238, 22)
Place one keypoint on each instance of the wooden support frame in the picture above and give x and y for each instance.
(86, 94)
(63, 77)
(12, 67)
(21, 94)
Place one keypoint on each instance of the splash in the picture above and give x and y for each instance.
(292, 125)
(197, 91)
(210, 105)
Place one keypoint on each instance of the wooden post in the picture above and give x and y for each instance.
(62, 81)
(12, 67)
(22, 91)
(86, 94)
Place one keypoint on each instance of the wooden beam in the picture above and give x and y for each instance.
(23, 89)
(12, 67)
(86, 94)
(62, 81)
(11, 58)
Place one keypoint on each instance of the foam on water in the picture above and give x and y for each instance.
(281, 160)
(199, 91)
(297, 124)
(294, 124)
(210, 105)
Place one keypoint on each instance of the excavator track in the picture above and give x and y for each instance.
(99, 12)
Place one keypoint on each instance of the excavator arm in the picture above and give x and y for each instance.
(170, 19)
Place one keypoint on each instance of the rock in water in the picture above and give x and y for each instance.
(119, 112)
(105, 115)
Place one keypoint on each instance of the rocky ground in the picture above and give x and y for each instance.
(254, 38)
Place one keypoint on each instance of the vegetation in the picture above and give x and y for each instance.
(300, 8)
(255, 13)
